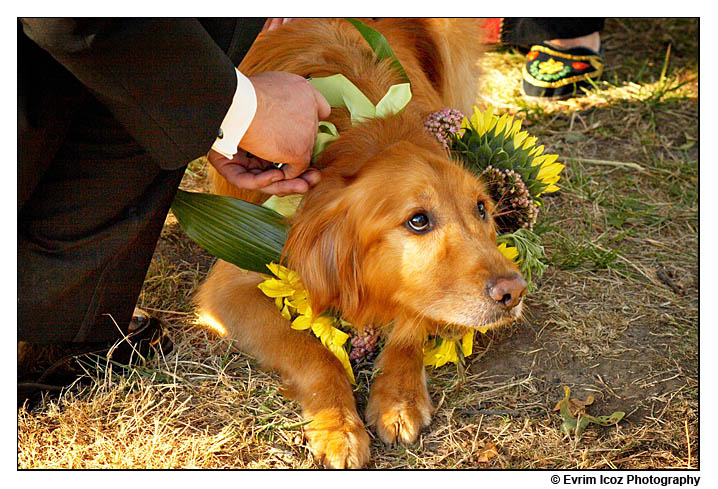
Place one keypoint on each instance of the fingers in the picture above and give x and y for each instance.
(295, 186)
(297, 166)
(284, 127)
(274, 23)
(286, 187)
(257, 174)
(323, 108)
(312, 177)
(250, 180)
(295, 169)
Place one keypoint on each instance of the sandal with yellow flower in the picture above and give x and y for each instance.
(553, 73)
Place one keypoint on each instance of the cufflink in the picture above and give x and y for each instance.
(220, 134)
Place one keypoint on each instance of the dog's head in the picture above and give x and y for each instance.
(396, 228)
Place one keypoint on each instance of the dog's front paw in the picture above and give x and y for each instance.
(338, 439)
(399, 415)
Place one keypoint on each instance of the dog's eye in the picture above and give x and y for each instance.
(419, 223)
(482, 210)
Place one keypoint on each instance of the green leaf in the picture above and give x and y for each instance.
(484, 154)
(379, 45)
(244, 234)
(531, 254)
(499, 159)
(572, 425)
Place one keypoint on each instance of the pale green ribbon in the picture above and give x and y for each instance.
(342, 93)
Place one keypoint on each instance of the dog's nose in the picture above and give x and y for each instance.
(508, 291)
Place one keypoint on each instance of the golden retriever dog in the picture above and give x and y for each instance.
(396, 235)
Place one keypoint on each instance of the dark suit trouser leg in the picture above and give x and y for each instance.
(87, 233)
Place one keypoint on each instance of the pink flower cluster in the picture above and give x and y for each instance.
(364, 345)
(443, 123)
(515, 208)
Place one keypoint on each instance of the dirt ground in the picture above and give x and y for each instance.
(615, 316)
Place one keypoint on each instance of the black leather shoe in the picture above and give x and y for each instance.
(51, 368)
(145, 335)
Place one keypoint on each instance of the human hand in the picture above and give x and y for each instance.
(285, 124)
(254, 173)
(275, 23)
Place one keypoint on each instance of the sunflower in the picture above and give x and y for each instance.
(486, 139)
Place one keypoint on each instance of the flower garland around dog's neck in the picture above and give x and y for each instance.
(292, 300)
(516, 172)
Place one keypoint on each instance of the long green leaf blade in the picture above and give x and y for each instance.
(244, 234)
(379, 45)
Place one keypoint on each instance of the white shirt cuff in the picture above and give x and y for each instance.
(238, 118)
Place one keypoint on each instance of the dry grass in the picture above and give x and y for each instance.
(615, 316)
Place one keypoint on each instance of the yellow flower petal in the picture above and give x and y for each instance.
(501, 124)
(286, 275)
(336, 337)
(548, 159)
(465, 122)
(343, 357)
(515, 128)
(509, 252)
(447, 351)
(430, 354)
(548, 172)
(529, 143)
(443, 353)
(322, 328)
(489, 119)
(275, 288)
(519, 138)
(467, 344)
(274, 268)
(300, 301)
(551, 188)
(482, 121)
(294, 279)
(302, 322)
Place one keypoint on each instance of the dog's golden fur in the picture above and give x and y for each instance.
(350, 242)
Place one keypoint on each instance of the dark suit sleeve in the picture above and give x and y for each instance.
(166, 80)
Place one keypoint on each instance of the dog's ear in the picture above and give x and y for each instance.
(323, 249)
(447, 51)
(419, 37)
